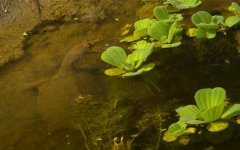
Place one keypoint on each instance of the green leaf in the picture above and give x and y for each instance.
(143, 69)
(140, 44)
(208, 26)
(201, 17)
(172, 31)
(168, 137)
(177, 129)
(189, 120)
(217, 126)
(141, 27)
(231, 112)
(130, 38)
(140, 55)
(161, 13)
(114, 72)
(218, 19)
(192, 32)
(190, 111)
(175, 18)
(176, 44)
(201, 33)
(235, 8)
(144, 53)
(210, 33)
(209, 98)
(185, 4)
(115, 56)
(232, 20)
(158, 29)
(213, 113)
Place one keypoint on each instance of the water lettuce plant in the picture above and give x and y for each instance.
(161, 14)
(184, 4)
(235, 8)
(211, 109)
(128, 65)
(165, 34)
(164, 31)
(207, 25)
(233, 20)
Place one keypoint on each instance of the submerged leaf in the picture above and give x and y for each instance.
(190, 130)
(217, 126)
(130, 38)
(114, 72)
(177, 129)
(192, 32)
(168, 137)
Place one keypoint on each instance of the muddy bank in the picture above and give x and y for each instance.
(19, 17)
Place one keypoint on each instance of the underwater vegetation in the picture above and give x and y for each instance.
(165, 31)
(212, 111)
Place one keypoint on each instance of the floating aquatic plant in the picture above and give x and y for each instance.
(161, 13)
(235, 8)
(211, 109)
(165, 34)
(184, 4)
(233, 20)
(141, 28)
(128, 65)
(164, 30)
(207, 25)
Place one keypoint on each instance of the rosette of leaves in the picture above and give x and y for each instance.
(211, 109)
(211, 106)
(235, 8)
(184, 4)
(128, 65)
(207, 25)
(161, 14)
(233, 20)
(165, 24)
(167, 35)
(140, 30)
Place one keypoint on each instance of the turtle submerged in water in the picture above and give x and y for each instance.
(56, 94)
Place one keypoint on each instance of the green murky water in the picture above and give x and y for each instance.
(86, 109)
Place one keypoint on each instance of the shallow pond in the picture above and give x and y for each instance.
(85, 109)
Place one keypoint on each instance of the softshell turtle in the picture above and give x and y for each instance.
(56, 95)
